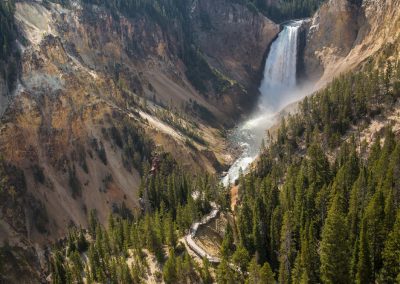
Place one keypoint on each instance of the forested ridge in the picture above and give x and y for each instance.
(325, 206)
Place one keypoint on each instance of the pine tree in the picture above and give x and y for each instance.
(225, 275)
(259, 230)
(391, 187)
(125, 276)
(254, 272)
(169, 270)
(306, 266)
(152, 239)
(391, 254)
(227, 245)
(334, 251)
(258, 274)
(241, 258)
(59, 275)
(245, 227)
(375, 230)
(364, 267)
(205, 273)
(170, 229)
(358, 199)
(92, 223)
(275, 235)
(287, 250)
(354, 259)
(318, 169)
(266, 274)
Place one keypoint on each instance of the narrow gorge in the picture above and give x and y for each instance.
(278, 89)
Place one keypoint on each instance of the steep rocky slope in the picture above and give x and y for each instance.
(345, 33)
(233, 38)
(99, 93)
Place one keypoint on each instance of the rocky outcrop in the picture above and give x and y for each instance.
(344, 33)
(233, 38)
(332, 33)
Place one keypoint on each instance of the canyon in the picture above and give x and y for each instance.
(84, 72)
(98, 92)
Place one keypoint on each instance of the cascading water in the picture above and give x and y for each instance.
(280, 68)
(278, 89)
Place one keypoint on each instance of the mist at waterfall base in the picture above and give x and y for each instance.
(278, 89)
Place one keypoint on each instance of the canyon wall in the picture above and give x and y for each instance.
(343, 34)
(98, 91)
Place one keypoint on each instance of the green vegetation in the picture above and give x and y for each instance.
(321, 206)
(182, 124)
(280, 11)
(38, 174)
(290, 9)
(160, 10)
(18, 265)
(7, 28)
(194, 108)
(8, 35)
(99, 149)
(13, 201)
(19, 207)
(167, 185)
(39, 214)
(118, 253)
(324, 205)
(202, 76)
(74, 183)
(129, 136)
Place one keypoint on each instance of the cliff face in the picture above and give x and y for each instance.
(233, 38)
(332, 32)
(344, 33)
(234, 41)
(98, 92)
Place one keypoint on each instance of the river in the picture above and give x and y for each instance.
(278, 89)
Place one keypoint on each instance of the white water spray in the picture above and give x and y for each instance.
(278, 89)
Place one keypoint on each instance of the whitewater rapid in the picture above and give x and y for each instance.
(278, 89)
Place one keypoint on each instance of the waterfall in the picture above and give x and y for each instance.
(278, 89)
(280, 67)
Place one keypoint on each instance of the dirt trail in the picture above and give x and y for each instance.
(191, 237)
